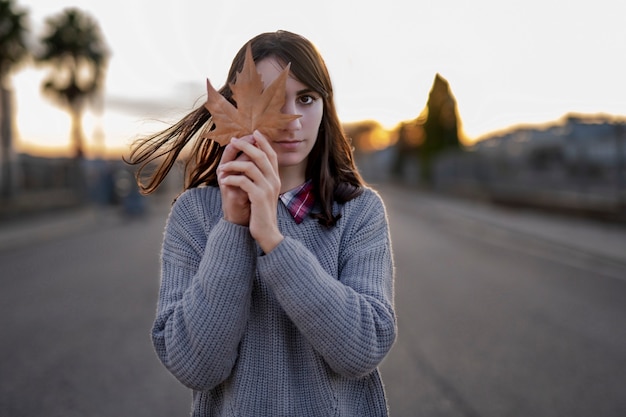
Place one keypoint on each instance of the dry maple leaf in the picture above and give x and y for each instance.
(257, 108)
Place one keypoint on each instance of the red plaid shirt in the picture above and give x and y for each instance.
(299, 201)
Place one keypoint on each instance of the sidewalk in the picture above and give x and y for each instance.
(53, 225)
(579, 235)
(56, 224)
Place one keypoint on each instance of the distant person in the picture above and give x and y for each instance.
(276, 294)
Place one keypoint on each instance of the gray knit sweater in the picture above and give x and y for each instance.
(296, 332)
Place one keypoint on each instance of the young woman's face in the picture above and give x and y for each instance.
(296, 141)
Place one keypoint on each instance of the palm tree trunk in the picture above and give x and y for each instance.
(78, 153)
(77, 135)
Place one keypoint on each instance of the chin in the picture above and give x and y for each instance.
(290, 160)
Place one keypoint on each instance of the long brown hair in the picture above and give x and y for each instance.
(330, 164)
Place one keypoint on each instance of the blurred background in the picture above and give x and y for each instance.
(494, 131)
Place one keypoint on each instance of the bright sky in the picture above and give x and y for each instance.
(507, 62)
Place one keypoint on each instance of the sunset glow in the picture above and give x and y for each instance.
(507, 64)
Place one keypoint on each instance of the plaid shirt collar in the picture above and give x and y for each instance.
(299, 201)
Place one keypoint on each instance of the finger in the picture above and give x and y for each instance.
(261, 153)
(241, 182)
(238, 166)
(247, 146)
(264, 144)
(248, 169)
(231, 152)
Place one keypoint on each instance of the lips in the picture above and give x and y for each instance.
(289, 144)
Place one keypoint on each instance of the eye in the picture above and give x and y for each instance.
(307, 99)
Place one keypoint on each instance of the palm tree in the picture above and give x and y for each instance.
(74, 46)
(13, 52)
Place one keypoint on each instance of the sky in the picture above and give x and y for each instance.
(507, 62)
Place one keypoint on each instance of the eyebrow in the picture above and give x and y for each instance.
(306, 91)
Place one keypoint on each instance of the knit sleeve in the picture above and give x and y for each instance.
(204, 297)
(348, 319)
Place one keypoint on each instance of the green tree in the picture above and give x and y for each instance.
(441, 126)
(13, 52)
(74, 48)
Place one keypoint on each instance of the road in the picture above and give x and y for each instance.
(505, 313)
(500, 313)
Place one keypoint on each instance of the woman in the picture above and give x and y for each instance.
(276, 294)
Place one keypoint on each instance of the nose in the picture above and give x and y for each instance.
(290, 108)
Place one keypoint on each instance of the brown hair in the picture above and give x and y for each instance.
(330, 164)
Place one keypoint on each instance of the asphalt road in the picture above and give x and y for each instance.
(77, 309)
(505, 313)
(501, 313)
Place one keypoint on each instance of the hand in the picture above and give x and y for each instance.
(255, 173)
(235, 202)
